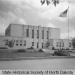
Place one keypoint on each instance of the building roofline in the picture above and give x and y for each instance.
(32, 25)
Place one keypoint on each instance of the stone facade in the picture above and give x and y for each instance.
(26, 36)
(65, 44)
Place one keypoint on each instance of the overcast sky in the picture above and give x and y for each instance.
(31, 12)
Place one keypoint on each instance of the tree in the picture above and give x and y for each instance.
(55, 2)
(73, 42)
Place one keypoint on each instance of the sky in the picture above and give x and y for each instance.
(31, 12)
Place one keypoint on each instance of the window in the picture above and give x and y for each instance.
(70, 44)
(42, 34)
(20, 44)
(57, 44)
(42, 45)
(32, 33)
(47, 34)
(24, 43)
(20, 41)
(62, 44)
(27, 32)
(6, 42)
(37, 33)
(16, 44)
(16, 41)
(32, 43)
(37, 45)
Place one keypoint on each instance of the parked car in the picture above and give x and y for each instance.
(61, 53)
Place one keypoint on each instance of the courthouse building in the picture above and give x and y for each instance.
(27, 36)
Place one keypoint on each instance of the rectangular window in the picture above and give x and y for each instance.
(32, 43)
(57, 44)
(24, 43)
(37, 45)
(17, 41)
(62, 44)
(47, 34)
(20, 41)
(42, 34)
(27, 32)
(14, 40)
(37, 33)
(69, 44)
(42, 45)
(6, 42)
(32, 33)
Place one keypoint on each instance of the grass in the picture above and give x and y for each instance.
(15, 55)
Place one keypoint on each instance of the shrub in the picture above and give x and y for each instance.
(40, 50)
(21, 50)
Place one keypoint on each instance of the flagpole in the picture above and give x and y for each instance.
(68, 26)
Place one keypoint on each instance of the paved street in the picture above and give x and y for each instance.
(42, 64)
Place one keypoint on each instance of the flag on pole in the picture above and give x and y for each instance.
(64, 13)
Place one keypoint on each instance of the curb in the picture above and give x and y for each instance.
(35, 58)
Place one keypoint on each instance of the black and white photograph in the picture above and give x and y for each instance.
(37, 35)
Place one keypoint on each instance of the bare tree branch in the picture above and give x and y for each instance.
(55, 2)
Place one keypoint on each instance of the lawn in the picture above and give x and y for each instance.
(16, 54)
